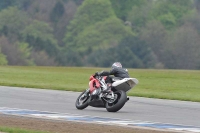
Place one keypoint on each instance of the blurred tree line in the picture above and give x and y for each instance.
(138, 33)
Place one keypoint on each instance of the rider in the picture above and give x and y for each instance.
(117, 71)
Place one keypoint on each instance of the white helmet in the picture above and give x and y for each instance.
(117, 64)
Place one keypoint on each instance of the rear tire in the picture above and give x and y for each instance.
(118, 102)
(82, 101)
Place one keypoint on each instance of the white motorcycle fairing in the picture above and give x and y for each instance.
(125, 84)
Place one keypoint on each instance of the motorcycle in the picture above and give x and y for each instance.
(113, 100)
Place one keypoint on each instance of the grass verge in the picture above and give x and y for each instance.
(165, 84)
(17, 130)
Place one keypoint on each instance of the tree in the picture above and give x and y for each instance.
(25, 53)
(155, 35)
(104, 58)
(57, 12)
(197, 5)
(17, 53)
(60, 24)
(168, 12)
(183, 48)
(101, 35)
(71, 58)
(5, 3)
(89, 13)
(141, 50)
(131, 52)
(3, 60)
(41, 58)
(94, 27)
(13, 21)
(192, 18)
(140, 15)
(122, 8)
(19, 3)
(39, 35)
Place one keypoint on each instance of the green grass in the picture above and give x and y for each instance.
(165, 84)
(17, 130)
(168, 84)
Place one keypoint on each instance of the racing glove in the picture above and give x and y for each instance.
(96, 74)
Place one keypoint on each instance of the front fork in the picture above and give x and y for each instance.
(85, 94)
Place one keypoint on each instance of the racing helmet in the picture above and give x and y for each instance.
(117, 64)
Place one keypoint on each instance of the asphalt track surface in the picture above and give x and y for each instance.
(143, 109)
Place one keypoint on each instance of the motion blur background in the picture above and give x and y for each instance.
(161, 34)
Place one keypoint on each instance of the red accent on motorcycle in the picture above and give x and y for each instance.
(91, 77)
(93, 84)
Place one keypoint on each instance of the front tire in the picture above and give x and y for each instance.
(82, 101)
(118, 102)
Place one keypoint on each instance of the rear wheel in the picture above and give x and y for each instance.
(82, 100)
(118, 102)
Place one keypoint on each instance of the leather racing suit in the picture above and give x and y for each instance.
(117, 72)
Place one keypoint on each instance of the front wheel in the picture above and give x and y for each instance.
(82, 100)
(118, 102)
